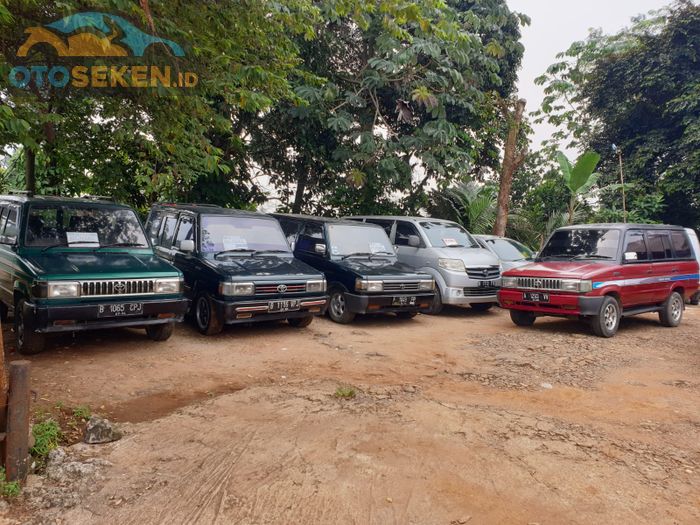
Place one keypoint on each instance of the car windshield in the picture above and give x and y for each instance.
(244, 235)
(448, 235)
(348, 240)
(509, 250)
(83, 226)
(584, 243)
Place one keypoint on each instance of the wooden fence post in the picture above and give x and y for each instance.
(17, 438)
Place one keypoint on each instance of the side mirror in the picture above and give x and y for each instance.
(292, 245)
(631, 256)
(320, 249)
(187, 246)
(414, 241)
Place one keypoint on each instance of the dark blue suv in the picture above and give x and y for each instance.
(361, 267)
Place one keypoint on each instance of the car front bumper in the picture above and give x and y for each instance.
(258, 311)
(379, 304)
(466, 296)
(560, 304)
(47, 318)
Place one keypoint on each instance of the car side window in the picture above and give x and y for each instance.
(154, 224)
(166, 237)
(680, 244)
(387, 225)
(635, 243)
(10, 231)
(311, 235)
(659, 246)
(290, 229)
(403, 231)
(4, 210)
(185, 231)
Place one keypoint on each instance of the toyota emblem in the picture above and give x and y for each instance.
(119, 287)
(282, 288)
(538, 283)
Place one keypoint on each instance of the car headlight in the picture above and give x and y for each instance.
(60, 290)
(586, 286)
(369, 286)
(509, 282)
(428, 285)
(576, 285)
(453, 265)
(316, 286)
(230, 289)
(172, 285)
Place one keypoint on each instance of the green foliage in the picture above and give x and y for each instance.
(8, 489)
(345, 392)
(47, 435)
(470, 204)
(82, 412)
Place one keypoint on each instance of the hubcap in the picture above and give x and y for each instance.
(338, 304)
(610, 316)
(676, 308)
(203, 312)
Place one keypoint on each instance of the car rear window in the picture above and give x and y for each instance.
(659, 245)
(679, 241)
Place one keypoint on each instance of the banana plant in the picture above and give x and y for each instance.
(579, 178)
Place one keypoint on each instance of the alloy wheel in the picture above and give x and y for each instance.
(676, 308)
(610, 316)
(338, 304)
(203, 313)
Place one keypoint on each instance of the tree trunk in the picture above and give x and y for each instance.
(30, 169)
(302, 180)
(512, 159)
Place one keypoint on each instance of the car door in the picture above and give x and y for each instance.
(166, 236)
(7, 273)
(186, 262)
(663, 265)
(635, 277)
(411, 255)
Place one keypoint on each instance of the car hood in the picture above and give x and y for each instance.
(99, 265)
(471, 256)
(264, 267)
(510, 265)
(379, 267)
(560, 269)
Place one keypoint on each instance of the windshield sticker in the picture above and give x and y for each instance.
(450, 242)
(234, 242)
(87, 239)
(377, 247)
(335, 250)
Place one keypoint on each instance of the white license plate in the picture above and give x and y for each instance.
(404, 300)
(120, 310)
(288, 305)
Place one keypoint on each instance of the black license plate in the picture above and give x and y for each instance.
(288, 305)
(404, 300)
(120, 310)
(486, 284)
(534, 297)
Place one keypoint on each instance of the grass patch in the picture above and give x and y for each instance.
(8, 489)
(82, 412)
(345, 392)
(47, 436)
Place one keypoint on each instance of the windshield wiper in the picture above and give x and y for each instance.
(269, 252)
(358, 254)
(590, 256)
(65, 245)
(237, 250)
(123, 245)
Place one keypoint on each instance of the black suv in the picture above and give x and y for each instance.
(238, 266)
(360, 264)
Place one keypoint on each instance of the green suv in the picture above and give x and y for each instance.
(81, 264)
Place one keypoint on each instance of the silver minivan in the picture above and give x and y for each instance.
(465, 273)
(695, 300)
(511, 253)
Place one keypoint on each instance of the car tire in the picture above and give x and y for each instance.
(607, 322)
(671, 313)
(160, 332)
(301, 322)
(206, 318)
(406, 315)
(481, 307)
(437, 305)
(28, 341)
(338, 307)
(695, 300)
(4, 313)
(522, 318)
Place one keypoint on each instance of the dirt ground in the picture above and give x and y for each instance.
(461, 418)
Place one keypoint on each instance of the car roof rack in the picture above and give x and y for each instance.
(98, 198)
(22, 193)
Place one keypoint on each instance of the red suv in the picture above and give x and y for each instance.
(602, 272)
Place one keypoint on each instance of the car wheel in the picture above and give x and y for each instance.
(437, 305)
(671, 313)
(3, 312)
(406, 315)
(160, 332)
(522, 318)
(28, 341)
(301, 322)
(606, 323)
(481, 307)
(205, 317)
(338, 308)
(695, 300)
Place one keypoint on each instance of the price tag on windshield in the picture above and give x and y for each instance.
(83, 239)
(377, 247)
(450, 242)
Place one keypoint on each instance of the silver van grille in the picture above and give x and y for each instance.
(394, 286)
(117, 287)
(539, 283)
(484, 274)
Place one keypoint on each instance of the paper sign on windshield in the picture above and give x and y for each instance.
(86, 239)
(377, 247)
(450, 242)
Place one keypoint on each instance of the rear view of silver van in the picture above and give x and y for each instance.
(695, 300)
(465, 273)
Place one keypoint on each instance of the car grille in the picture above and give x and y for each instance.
(393, 286)
(484, 274)
(538, 283)
(480, 292)
(117, 287)
(277, 288)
